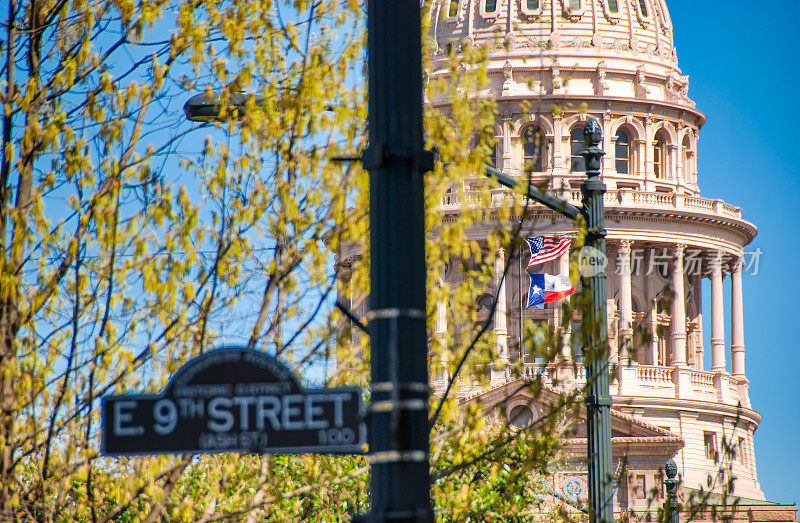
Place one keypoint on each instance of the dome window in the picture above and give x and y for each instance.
(611, 10)
(452, 8)
(530, 8)
(687, 159)
(643, 8)
(577, 144)
(533, 148)
(622, 153)
(490, 7)
(660, 156)
(575, 5)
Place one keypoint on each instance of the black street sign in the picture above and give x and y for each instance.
(234, 400)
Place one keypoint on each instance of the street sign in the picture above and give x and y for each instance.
(234, 400)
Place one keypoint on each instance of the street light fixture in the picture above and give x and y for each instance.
(212, 108)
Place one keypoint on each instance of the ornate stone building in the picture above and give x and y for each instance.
(615, 60)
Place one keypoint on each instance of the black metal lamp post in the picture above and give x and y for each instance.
(598, 400)
(672, 507)
(397, 425)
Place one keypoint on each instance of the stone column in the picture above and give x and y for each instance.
(607, 160)
(699, 354)
(558, 155)
(625, 302)
(678, 325)
(737, 321)
(652, 289)
(506, 159)
(440, 333)
(672, 160)
(717, 316)
(647, 151)
(500, 327)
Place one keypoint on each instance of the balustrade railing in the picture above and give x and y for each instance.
(636, 380)
(654, 375)
(613, 198)
(702, 380)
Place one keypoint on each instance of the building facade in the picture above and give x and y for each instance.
(615, 60)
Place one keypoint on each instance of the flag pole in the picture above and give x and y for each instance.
(519, 286)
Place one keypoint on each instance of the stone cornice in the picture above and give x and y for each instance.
(696, 406)
(743, 228)
(636, 106)
(641, 446)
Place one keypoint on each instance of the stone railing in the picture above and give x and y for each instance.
(654, 376)
(642, 381)
(702, 380)
(680, 383)
(621, 198)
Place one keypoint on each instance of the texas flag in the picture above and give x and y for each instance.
(546, 288)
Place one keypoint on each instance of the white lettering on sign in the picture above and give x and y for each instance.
(121, 417)
(166, 415)
(289, 412)
(262, 412)
(216, 413)
(227, 440)
(244, 402)
(335, 436)
(311, 411)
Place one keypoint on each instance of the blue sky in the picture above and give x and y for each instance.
(743, 68)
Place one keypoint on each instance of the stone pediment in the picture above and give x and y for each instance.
(628, 434)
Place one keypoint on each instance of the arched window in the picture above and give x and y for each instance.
(577, 144)
(533, 148)
(687, 160)
(487, 144)
(452, 8)
(613, 6)
(521, 416)
(485, 302)
(663, 352)
(532, 5)
(489, 6)
(622, 153)
(643, 8)
(660, 156)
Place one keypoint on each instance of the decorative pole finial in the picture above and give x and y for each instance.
(671, 468)
(672, 506)
(592, 135)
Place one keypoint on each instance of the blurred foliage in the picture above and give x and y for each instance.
(128, 248)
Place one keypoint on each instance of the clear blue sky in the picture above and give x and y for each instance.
(741, 57)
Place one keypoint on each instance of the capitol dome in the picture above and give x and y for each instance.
(552, 64)
(607, 47)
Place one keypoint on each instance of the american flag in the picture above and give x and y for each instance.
(546, 248)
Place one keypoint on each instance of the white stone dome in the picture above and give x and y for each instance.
(618, 48)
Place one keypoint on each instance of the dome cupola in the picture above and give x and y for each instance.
(618, 48)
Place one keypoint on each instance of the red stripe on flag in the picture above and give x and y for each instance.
(551, 296)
